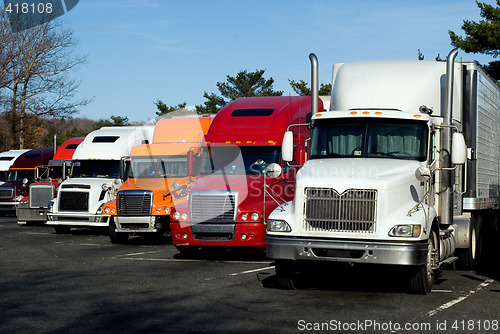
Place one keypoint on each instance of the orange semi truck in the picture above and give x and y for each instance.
(158, 178)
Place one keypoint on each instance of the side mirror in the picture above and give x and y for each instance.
(458, 149)
(273, 170)
(124, 167)
(190, 163)
(422, 173)
(287, 147)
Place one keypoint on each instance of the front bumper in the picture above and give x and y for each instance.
(59, 219)
(141, 224)
(251, 235)
(26, 214)
(9, 206)
(353, 251)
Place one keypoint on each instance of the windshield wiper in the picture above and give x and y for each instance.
(386, 154)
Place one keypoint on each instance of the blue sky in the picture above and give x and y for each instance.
(143, 50)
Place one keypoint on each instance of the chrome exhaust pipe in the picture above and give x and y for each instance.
(447, 175)
(314, 83)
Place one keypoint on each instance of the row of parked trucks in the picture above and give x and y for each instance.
(400, 167)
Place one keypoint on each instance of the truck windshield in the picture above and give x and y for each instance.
(18, 175)
(56, 172)
(369, 138)
(108, 169)
(158, 167)
(243, 160)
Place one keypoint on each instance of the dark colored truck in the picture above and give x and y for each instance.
(27, 169)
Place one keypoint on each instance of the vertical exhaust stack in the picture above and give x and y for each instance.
(446, 201)
(314, 83)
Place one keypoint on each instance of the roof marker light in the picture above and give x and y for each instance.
(378, 113)
(366, 113)
(354, 112)
(417, 115)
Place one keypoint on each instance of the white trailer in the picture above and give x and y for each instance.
(98, 170)
(390, 178)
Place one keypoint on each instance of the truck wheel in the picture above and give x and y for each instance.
(422, 280)
(467, 258)
(286, 274)
(62, 229)
(116, 237)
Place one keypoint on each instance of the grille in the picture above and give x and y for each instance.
(352, 211)
(6, 192)
(41, 195)
(74, 201)
(213, 206)
(134, 202)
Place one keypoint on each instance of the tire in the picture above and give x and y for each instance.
(62, 229)
(116, 237)
(286, 273)
(423, 276)
(468, 258)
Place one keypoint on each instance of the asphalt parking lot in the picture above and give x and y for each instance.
(81, 283)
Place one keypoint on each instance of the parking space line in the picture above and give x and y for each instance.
(251, 271)
(139, 253)
(459, 299)
(120, 257)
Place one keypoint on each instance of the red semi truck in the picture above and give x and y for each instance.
(241, 177)
(22, 173)
(33, 208)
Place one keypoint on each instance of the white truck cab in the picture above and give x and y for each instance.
(98, 170)
(386, 183)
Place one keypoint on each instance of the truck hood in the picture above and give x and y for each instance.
(342, 174)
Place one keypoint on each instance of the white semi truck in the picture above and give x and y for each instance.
(391, 179)
(98, 170)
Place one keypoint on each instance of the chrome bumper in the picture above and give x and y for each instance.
(54, 219)
(355, 251)
(135, 224)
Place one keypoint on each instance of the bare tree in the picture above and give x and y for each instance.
(36, 75)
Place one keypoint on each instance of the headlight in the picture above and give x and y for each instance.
(254, 216)
(278, 226)
(99, 211)
(107, 209)
(166, 209)
(408, 231)
(184, 216)
(176, 215)
(244, 217)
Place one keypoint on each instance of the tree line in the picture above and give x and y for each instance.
(38, 68)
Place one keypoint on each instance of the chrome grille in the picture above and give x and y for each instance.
(134, 202)
(352, 211)
(6, 192)
(73, 201)
(213, 206)
(41, 195)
